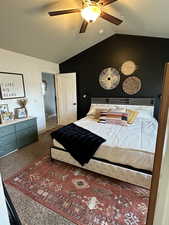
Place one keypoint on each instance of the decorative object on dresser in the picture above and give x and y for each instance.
(5, 114)
(12, 85)
(22, 111)
(109, 78)
(128, 67)
(132, 85)
(22, 102)
(17, 134)
(4, 108)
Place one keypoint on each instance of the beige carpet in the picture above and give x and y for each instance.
(29, 211)
(51, 123)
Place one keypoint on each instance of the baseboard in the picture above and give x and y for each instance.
(8, 153)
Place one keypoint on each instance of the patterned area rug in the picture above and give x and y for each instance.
(81, 196)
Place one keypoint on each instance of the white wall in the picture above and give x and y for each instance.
(32, 69)
(162, 206)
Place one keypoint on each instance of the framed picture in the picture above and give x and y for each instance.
(11, 85)
(20, 113)
(4, 108)
(6, 116)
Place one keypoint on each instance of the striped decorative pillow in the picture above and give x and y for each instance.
(114, 118)
(112, 121)
(95, 112)
(114, 114)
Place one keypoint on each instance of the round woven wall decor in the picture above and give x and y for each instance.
(132, 85)
(128, 68)
(109, 78)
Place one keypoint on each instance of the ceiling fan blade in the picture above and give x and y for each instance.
(62, 12)
(111, 18)
(107, 2)
(84, 26)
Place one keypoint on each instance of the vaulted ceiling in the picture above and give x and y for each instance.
(25, 26)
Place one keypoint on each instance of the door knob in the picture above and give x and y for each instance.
(74, 103)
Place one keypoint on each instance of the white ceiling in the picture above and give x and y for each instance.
(25, 26)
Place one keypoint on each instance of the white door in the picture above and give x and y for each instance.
(66, 98)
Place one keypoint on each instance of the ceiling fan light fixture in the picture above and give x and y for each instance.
(91, 12)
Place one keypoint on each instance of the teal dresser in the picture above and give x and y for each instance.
(17, 134)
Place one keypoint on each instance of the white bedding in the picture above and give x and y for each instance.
(133, 145)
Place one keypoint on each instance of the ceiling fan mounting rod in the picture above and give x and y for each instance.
(90, 1)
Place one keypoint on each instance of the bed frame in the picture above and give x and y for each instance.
(124, 101)
(120, 172)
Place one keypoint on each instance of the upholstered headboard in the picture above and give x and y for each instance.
(147, 104)
(124, 101)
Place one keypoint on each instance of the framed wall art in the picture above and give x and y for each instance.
(11, 85)
(4, 108)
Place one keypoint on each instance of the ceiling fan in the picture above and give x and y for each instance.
(90, 11)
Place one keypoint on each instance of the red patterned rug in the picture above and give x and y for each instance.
(81, 196)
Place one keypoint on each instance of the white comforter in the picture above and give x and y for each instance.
(132, 145)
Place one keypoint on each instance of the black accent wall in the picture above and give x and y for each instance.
(150, 55)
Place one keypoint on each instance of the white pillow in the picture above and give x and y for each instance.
(144, 111)
(144, 114)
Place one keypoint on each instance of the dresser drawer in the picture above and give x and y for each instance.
(5, 151)
(17, 135)
(8, 143)
(7, 130)
(26, 136)
(25, 124)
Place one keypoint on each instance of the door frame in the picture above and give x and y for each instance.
(163, 115)
(73, 74)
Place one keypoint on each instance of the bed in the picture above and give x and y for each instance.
(128, 152)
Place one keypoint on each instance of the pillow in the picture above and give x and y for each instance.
(114, 118)
(144, 114)
(116, 110)
(94, 111)
(144, 111)
(112, 121)
(114, 114)
(132, 115)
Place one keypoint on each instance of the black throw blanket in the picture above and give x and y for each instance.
(79, 142)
